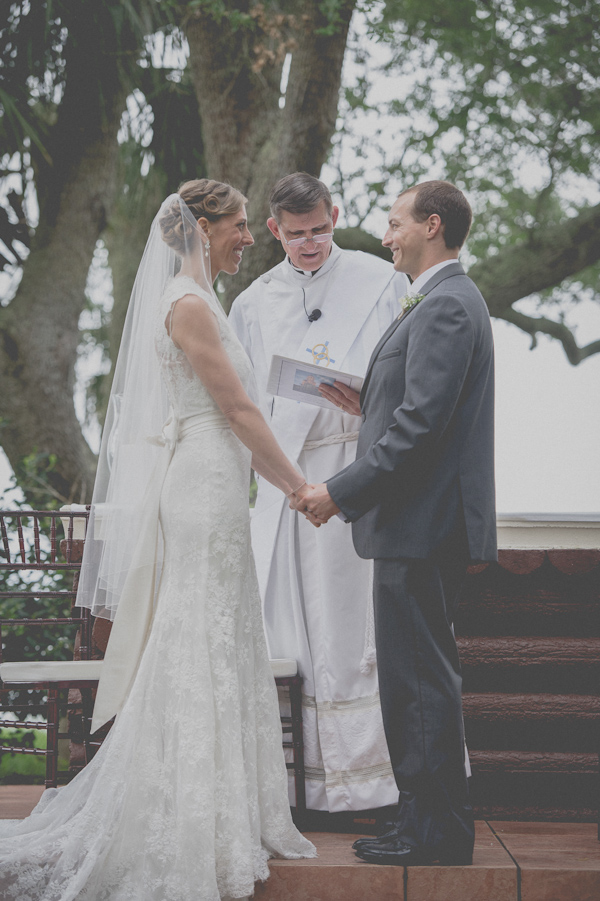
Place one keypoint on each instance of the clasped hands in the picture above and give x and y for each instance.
(315, 502)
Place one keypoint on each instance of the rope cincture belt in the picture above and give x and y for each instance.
(330, 439)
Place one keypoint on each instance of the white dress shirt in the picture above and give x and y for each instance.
(422, 279)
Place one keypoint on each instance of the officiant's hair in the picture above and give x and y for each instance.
(449, 203)
(299, 193)
(204, 197)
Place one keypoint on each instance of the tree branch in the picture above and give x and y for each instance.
(544, 259)
(532, 325)
(359, 239)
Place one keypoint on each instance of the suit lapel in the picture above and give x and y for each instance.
(384, 338)
(433, 282)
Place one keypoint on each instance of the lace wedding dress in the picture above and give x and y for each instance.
(187, 798)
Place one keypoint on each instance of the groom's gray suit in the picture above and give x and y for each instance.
(420, 497)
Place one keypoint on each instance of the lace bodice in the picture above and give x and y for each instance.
(187, 394)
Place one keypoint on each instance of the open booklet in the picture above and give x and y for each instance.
(300, 381)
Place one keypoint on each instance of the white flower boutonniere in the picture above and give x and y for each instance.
(409, 301)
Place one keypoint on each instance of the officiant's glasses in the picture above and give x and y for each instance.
(300, 242)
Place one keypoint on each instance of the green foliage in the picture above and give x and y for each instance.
(23, 768)
(504, 86)
(329, 10)
(31, 476)
(220, 10)
(30, 46)
(35, 642)
(501, 98)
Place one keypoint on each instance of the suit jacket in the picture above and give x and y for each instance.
(425, 460)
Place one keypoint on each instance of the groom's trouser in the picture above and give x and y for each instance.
(420, 682)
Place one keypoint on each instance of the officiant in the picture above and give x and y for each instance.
(329, 307)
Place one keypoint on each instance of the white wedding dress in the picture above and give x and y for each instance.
(187, 798)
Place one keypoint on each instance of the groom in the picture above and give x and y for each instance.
(420, 497)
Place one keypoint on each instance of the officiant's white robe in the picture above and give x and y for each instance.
(315, 589)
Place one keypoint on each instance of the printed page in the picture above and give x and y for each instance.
(300, 381)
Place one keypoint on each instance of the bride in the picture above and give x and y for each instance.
(187, 797)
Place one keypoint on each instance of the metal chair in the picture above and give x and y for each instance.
(30, 543)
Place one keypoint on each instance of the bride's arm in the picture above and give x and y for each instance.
(195, 330)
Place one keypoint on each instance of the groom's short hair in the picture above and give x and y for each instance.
(299, 193)
(449, 203)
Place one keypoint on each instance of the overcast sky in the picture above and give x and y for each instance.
(547, 423)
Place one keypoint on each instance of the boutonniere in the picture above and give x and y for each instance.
(408, 302)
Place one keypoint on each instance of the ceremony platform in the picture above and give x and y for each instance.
(513, 862)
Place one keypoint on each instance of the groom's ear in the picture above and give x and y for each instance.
(273, 228)
(435, 227)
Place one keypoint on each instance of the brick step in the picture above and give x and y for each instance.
(534, 785)
(529, 651)
(533, 593)
(531, 722)
(538, 762)
(547, 563)
(537, 796)
(531, 707)
(529, 664)
(528, 612)
(501, 809)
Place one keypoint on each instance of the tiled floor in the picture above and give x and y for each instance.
(512, 862)
(557, 861)
(17, 801)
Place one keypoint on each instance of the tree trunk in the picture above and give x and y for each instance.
(250, 141)
(39, 332)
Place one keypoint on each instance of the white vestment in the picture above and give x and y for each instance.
(316, 591)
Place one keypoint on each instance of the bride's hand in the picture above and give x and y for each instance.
(316, 504)
(295, 499)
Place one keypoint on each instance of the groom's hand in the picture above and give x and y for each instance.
(342, 396)
(316, 503)
(297, 503)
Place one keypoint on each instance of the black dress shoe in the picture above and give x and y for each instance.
(394, 828)
(390, 834)
(400, 853)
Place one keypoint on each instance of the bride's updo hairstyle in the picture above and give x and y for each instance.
(204, 197)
